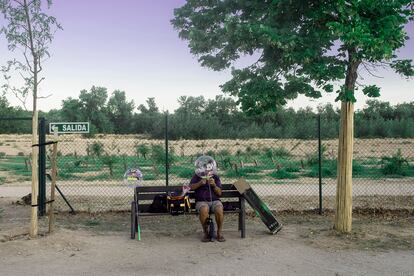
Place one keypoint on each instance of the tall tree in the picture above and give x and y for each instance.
(93, 108)
(29, 30)
(191, 105)
(72, 110)
(120, 111)
(303, 47)
(149, 120)
(152, 106)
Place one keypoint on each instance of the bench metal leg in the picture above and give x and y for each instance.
(240, 215)
(242, 218)
(133, 220)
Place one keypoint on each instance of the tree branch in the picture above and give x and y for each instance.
(21, 75)
(44, 97)
(369, 71)
(23, 101)
(40, 80)
(18, 2)
(27, 62)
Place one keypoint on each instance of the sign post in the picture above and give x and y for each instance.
(69, 127)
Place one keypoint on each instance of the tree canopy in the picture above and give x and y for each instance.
(302, 47)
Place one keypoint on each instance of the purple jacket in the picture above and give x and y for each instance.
(203, 193)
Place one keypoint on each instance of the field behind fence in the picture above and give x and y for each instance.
(285, 172)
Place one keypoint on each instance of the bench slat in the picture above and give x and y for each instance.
(150, 196)
(144, 208)
(153, 189)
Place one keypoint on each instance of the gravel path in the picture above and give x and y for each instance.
(80, 253)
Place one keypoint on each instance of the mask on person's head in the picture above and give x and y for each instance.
(206, 166)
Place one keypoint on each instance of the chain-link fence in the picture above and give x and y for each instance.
(284, 172)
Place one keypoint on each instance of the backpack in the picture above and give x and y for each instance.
(159, 204)
(178, 205)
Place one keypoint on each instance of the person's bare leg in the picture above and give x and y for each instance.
(219, 219)
(203, 217)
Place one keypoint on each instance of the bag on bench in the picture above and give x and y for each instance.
(159, 204)
(178, 205)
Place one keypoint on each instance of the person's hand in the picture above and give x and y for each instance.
(203, 181)
(212, 182)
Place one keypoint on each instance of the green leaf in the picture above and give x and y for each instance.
(328, 88)
(345, 95)
(372, 91)
(403, 67)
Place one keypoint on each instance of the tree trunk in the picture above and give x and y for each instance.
(343, 210)
(33, 219)
(35, 150)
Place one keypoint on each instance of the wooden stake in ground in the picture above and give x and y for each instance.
(52, 189)
(343, 210)
(33, 219)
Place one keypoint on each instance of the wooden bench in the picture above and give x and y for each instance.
(144, 195)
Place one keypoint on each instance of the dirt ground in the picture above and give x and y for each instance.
(381, 243)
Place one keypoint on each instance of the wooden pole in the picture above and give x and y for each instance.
(33, 219)
(343, 210)
(52, 189)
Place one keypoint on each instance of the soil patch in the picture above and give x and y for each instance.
(381, 243)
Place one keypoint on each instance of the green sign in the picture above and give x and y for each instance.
(69, 127)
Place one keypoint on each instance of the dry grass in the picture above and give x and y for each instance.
(125, 144)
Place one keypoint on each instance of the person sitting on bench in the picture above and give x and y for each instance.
(207, 188)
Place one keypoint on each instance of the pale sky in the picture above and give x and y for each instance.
(131, 46)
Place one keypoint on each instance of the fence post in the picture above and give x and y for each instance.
(167, 165)
(320, 163)
(42, 168)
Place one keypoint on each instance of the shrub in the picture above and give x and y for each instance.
(313, 158)
(251, 152)
(268, 152)
(329, 169)
(20, 153)
(158, 155)
(283, 174)
(142, 150)
(250, 169)
(109, 161)
(357, 168)
(96, 149)
(394, 165)
(185, 173)
(2, 155)
(149, 176)
(281, 152)
(291, 168)
(242, 172)
(211, 153)
(226, 162)
(224, 153)
(234, 174)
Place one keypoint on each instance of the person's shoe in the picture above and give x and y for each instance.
(205, 238)
(220, 238)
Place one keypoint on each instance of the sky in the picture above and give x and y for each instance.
(130, 45)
